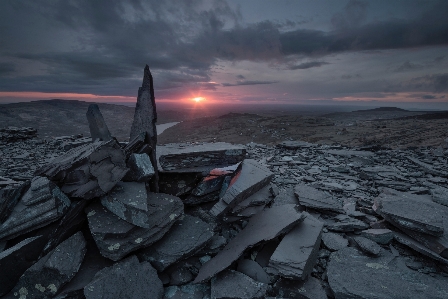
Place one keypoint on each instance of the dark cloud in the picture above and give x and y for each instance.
(439, 58)
(428, 97)
(349, 76)
(353, 15)
(240, 77)
(434, 82)
(239, 83)
(6, 68)
(307, 65)
(408, 66)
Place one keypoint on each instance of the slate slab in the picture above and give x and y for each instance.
(262, 227)
(367, 246)
(253, 270)
(292, 145)
(440, 195)
(233, 284)
(350, 274)
(9, 197)
(188, 291)
(334, 241)
(186, 237)
(97, 125)
(140, 168)
(128, 279)
(296, 254)
(312, 198)
(380, 236)
(307, 289)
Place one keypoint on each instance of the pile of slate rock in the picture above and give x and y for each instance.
(11, 134)
(103, 219)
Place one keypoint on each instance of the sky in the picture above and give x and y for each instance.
(320, 52)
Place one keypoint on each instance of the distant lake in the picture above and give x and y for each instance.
(163, 127)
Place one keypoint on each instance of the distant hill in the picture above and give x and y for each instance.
(383, 109)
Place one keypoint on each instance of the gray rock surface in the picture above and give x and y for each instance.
(264, 226)
(367, 246)
(296, 254)
(334, 241)
(308, 289)
(350, 274)
(140, 168)
(184, 239)
(253, 270)
(188, 291)
(9, 197)
(233, 284)
(440, 195)
(97, 125)
(316, 199)
(126, 279)
(380, 236)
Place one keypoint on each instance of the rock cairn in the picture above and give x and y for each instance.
(298, 220)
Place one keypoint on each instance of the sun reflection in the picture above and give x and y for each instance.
(198, 99)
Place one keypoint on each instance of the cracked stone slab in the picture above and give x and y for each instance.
(129, 201)
(176, 157)
(87, 171)
(368, 246)
(185, 238)
(350, 274)
(233, 284)
(251, 177)
(116, 237)
(140, 168)
(188, 291)
(262, 227)
(308, 289)
(414, 213)
(348, 225)
(50, 273)
(296, 254)
(42, 204)
(128, 278)
(334, 241)
(312, 198)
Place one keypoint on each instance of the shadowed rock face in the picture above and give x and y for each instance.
(97, 125)
(233, 284)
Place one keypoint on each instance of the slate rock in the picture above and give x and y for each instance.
(334, 241)
(126, 279)
(180, 276)
(440, 195)
(307, 289)
(285, 196)
(45, 278)
(97, 125)
(263, 227)
(9, 197)
(87, 171)
(253, 270)
(175, 157)
(293, 145)
(348, 225)
(186, 237)
(296, 254)
(316, 199)
(16, 260)
(116, 237)
(367, 246)
(351, 274)
(380, 236)
(140, 168)
(42, 204)
(233, 284)
(251, 177)
(129, 201)
(188, 291)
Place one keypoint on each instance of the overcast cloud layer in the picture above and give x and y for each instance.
(255, 51)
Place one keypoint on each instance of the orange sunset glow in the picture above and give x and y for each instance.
(198, 99)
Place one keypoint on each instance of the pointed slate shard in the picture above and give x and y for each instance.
(350, 274)
(368, 246)
(380, 236)
(296, 254)
(253, 270)
(177, 157)
(42, 204)
(188, 291)
(316, 199)
(129, 201)
(87, 171)
(185, 238)
(127, 279)
(97, 125)
(9, 197)
(145, 118)
(50, 273)
(251, 177)
(15, 260)
(116, 237)
(233, 284)
(334, 241)
(308, 289)
(263, 227)
(411, 213)
(140, 168)
(135, 145)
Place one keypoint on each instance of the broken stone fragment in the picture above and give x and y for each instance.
(348, 224)
(128, 278)
(175, 157)
(293, 145)
(233, 284)
(253, 270)
(184, 239)
(129, 201)
(87, 171)
(308, 289)
(350, 274)
(316, 199)
(380, 236)
(46, 277)
(414, 213)
(296, 254)
(140, 168)
(116, 237)
(15, 260)
(179, 184)
(368, 246)
(9, 197)
(250, 178)
(97, 125)
(188, 291)
(42, 204)
(259, 198)
(440, 195)
(212, 182)
(334, 241)
(263, 227)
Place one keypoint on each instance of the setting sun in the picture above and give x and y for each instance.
(198, 99)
